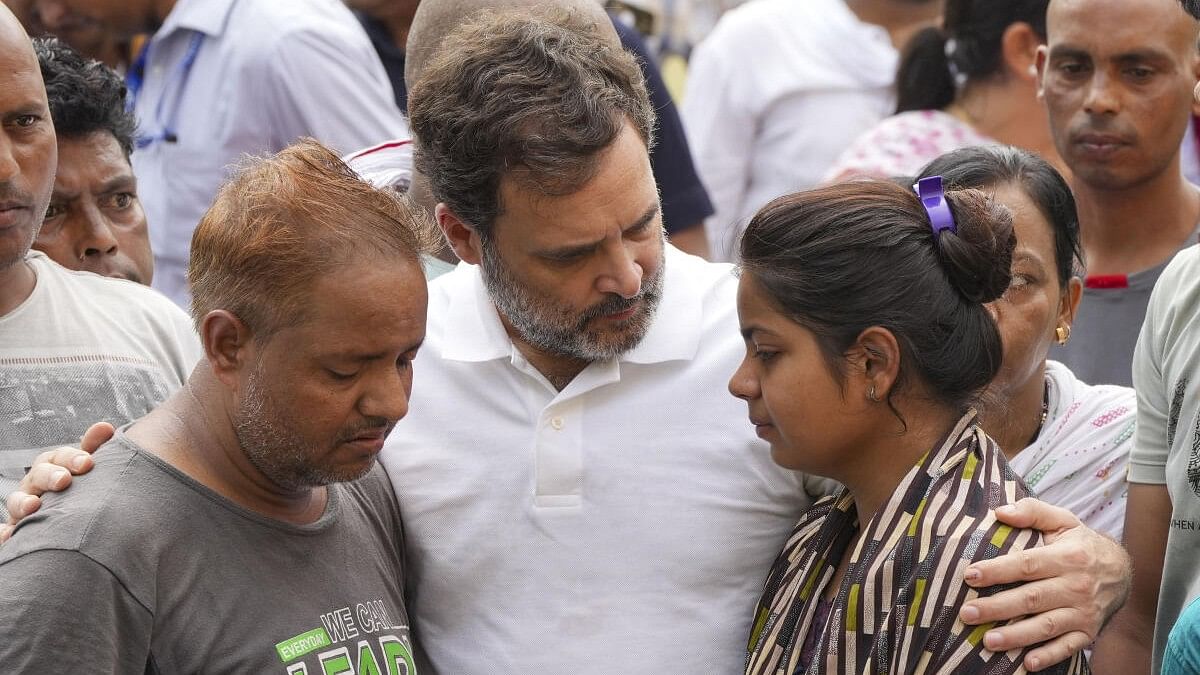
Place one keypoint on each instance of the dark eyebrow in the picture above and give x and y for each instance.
(1067, 51)
(646, 218)
(749, 331)
(123, 182)
(30, 108)
(568, 252)
(1143, 55)
(1132, 56)
(120, 183)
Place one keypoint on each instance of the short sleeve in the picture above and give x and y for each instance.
(329, 83)
(60, 612)
(1182, 655)
(1148, 459)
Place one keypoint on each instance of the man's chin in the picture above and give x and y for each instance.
(129, 273)
(617, 341)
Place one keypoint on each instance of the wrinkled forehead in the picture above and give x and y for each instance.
(1108, 27)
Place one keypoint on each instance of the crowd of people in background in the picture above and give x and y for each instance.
(420, 336)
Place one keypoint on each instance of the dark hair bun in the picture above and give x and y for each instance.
(978, 258)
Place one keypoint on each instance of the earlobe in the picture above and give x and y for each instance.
(1040, 66)
(462, 237)
(225, 339)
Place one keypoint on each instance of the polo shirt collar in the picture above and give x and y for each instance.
(209, 17)
(473, 331)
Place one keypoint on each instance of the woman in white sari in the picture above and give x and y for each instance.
(1068, 440)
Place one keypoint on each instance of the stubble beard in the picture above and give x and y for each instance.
(552, 328)
(271, 444)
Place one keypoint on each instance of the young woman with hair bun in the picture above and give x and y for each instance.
(867, 345)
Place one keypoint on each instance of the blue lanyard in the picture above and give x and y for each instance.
(135, 78)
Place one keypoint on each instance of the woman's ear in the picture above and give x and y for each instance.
(878, 364)
(1068, 306)
(1019, 48)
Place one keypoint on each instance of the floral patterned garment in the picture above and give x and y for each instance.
(903, 144)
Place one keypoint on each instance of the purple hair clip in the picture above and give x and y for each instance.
(933, 198)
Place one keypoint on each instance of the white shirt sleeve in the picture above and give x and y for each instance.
(330, 84)
(1148, 459)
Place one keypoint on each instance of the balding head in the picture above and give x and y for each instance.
(10, 26)
(28, 152)
(1164, 18)
(435, 19)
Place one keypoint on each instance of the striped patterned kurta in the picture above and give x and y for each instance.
(896, 610)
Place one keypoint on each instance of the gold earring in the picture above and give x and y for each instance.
(872, 395)
(1063, 333)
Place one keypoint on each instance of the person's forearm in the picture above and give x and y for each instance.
(1125, 646)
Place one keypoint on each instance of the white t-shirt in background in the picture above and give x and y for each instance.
(83, 349)
(775, 94)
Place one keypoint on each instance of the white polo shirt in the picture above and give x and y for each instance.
(623, 525)
(266, 73)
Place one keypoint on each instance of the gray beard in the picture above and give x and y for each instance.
(553, 329)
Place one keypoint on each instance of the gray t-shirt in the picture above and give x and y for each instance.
(1166, 374)
(139, 568)
(83, 349)
(1106, 329)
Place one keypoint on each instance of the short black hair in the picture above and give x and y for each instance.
(1192, 7)
(85, 96)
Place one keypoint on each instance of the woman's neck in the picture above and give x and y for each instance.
(880, 468)
(1016, 419)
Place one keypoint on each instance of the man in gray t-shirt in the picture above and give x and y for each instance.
(143, 567)
(243, 526)
(1117, 80)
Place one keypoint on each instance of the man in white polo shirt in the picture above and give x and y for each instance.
(580, 492)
